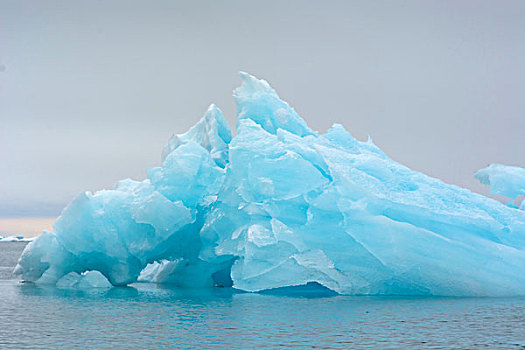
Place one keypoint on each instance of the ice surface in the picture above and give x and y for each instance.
(505, 180)
(279, 205)
(182, 273)
(87, 280)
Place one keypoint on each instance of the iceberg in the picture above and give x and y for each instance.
(279, 206)
(15, 239)
(505, 180)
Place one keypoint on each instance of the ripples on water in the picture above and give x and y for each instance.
(145, 316)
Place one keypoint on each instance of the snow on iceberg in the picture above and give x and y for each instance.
(279, 205)
(508, 181)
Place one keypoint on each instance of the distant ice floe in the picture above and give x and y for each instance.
(15, 239)
(505, 180)
(280, 205)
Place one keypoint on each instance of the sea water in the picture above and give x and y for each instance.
(147, 316)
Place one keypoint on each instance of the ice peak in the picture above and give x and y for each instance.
(251, 84)
(256, 100)
(211, 132)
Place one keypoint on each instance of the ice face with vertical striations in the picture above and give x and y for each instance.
(280, 205)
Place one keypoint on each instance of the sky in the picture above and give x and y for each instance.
(90, 91)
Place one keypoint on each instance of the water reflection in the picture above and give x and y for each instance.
(31, 289)
(150, 316)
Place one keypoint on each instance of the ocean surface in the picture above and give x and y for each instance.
(146, 316)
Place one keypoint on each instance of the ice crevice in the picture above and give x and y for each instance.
(280, 205)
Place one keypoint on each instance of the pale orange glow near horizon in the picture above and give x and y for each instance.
(27, 227)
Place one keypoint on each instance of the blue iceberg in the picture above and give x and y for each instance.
(280, 205)
(505, 180)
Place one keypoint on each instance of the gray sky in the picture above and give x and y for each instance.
(90, 91)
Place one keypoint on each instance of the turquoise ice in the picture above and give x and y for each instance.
(508, 181)
(280, 205)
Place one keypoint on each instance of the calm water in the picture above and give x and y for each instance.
(145, 316)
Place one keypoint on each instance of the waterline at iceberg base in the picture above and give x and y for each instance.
(280, 205)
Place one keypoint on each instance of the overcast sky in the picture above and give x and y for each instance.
(90, 91)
